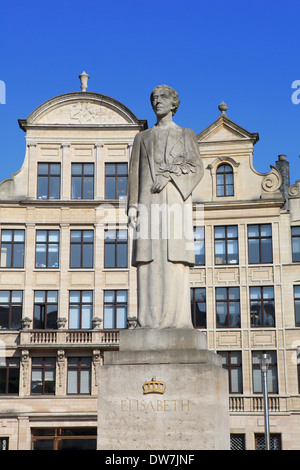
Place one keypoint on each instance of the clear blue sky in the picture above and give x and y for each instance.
(245, 53)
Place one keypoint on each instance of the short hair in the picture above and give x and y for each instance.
(172, 92)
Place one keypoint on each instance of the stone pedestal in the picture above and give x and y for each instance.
(163, 390)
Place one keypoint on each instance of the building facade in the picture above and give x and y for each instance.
(67, 286)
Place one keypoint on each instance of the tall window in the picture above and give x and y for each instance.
(262, 306)
(226, 245)
(82, 248)
(80, 309)
(79, 375)
(82, 180)
(12, 248)
(11, 302)
(228, 307)
(296, 243)
(198, 307)
(45, 309)
(275, 442)
(260, 243)
(9, 375)
(232, 361)
(116, 175)
(271, 374)
(199, 241)
(297, 304)
(224, 180)
(48, 181)
(115, 309)
(43, 375)
(115, 249)
(47, 249)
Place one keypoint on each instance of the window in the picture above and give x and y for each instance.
(228, 307)
(226, 245)
(82, 248)
(80, 309)
(11, 302)
(199, 241)
(12, 248)
(232, 361)
(198, 307)
(79, 375)
(224, 180)
(64, 438)
(115, 309)
(47, 249)
(262, 306)
(297, 304)
(271, 374)
(3, 443)
(275, 442)
(82, 180)
(9, 375)
(43, 375)
(45, 309)
(48, 181)
(260, 243)
(115, 249)
(237, 442)
(116, 175)
(296, 243)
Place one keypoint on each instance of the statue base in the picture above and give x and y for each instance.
(163, 390)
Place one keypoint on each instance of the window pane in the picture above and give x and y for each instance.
(109, 296)
(41, 235)
(122, 256)
(85, 381)
(39, 296)
(43, 168)
(110, 168)
(88, 236)
(4, 316)
(19, 236)
(54, 187)
(40, 256)
(36, 381)
(266, 251)
(75, 296)
(121, 186)
(88, 187)
(253, 251)
(266, 230)
(72, 381)
(87, 256)
(87, 296)
(18, 258)
(16, 317)
(253, 231)
(6, 255)
(51, 316)
(110, 256)
(52, 256)
(86, 321)
(4, 296)
(76, 168)
(76, 236)
(75, 256)
(121, 296)
(76, 187)
(55, 168)
(110, 189)
(121, 317)
(74, 320)
(108, 316)
(219, 232)
(296, 248)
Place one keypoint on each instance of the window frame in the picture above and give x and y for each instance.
(44, 367)
(199, 239)
(9, 368)
(115, 304)
(293, 237)
(115, 177)
(47, 243)
(296, 299)
(227, 302)
(43, 308)
(82, 243)
(81, 306)
(13, 243)
(262, 301)
(230, 366)
(79, 367)
(225, 185)
(11, 304)
(225, 240)
(271, 374)
(83, 184)
(49, 176)
(194, 307)
(259, 239)
(116, 242)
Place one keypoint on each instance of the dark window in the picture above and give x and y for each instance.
(47, 249)
(199, 240)
(82, 248)
(237, 442)
(82, 180)
(11, 302)
(275, 442)
(12, 248)
(228, 307)
(232, 361)
(3, 443)
(296, 243)
(45, 309)
(9, 375)
(224, 180)
(226, 245)
(115, 309)
(262, 306)
(43, 375)
(198, 307)
(48, 181)
(297, 304)
(272, 379)
(64, 439)
(79, 375)
(260, 243)
(80, 309)
(116, 175)
(115, 249)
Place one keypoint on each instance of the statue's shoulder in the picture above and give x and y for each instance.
(141, 135)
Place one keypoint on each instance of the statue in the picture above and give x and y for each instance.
(164, 169)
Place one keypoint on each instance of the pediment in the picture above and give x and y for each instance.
(81, 108)
(223, 129)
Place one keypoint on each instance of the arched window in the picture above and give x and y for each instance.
(225, 180)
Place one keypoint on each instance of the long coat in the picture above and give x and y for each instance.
(184, 166)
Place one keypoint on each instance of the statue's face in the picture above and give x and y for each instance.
(162, 102)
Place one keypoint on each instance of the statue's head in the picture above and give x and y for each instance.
(171, 92)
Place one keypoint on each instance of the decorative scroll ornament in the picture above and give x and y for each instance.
(294, 190)
(272, 181)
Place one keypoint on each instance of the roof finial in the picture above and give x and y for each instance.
(223, 107)
(83, 81)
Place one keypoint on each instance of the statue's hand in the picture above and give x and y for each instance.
(159, 183)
